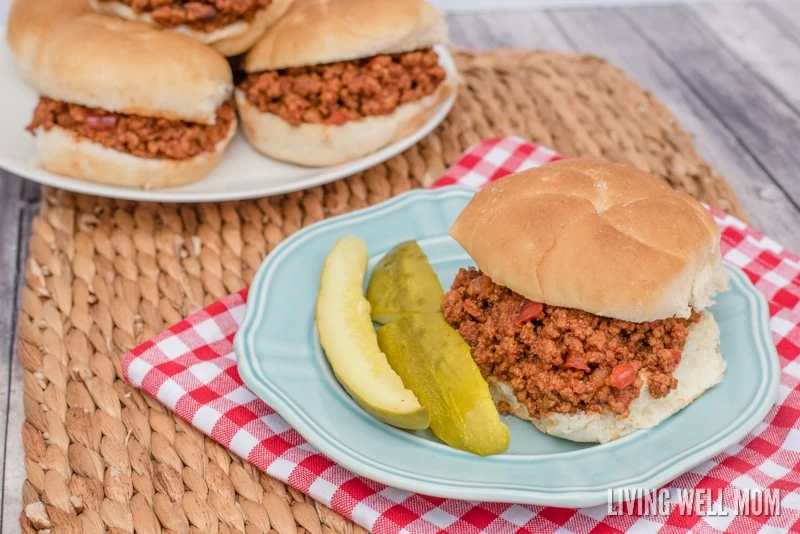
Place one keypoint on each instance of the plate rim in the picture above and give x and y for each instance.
(655, 477)
(321, 176)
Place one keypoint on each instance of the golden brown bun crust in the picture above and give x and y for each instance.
(229, 40)
(314, 32)
(62, 152)
(30, 20)
(598, 236)
(129, 67)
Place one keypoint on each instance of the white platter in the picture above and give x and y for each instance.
(243, 172)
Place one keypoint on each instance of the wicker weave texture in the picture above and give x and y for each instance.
(104, 275)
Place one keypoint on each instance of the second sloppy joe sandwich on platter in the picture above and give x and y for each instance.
(125, 104)
(333, 81)
(588, 313)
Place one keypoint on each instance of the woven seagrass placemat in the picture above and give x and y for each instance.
(104, 275)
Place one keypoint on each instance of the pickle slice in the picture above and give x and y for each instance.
(403, 283)
(350, 343)
(435, 363)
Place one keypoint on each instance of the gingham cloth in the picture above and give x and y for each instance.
(191, 368)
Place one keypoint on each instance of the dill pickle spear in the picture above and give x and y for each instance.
(435, 363)
(402, 283)
(346, 334)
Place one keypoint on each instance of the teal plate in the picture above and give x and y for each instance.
(281, 360)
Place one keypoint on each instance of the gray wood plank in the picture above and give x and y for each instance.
(755, 39)
(766, 125)
(607, 34)
(488, 6)
(531, 29)
(14, 474)
(31, 192)
(10, 237)
(784, 15)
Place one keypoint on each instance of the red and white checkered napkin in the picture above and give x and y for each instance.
(191, 368)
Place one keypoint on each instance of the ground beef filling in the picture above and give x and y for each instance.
(348, 90)
(562, 360)
(144, 137)
(201, 15)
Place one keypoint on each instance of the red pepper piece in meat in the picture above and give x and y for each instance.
(622, 376)
(529, 310)
(101, 122)
(576, 362)
(337, 118)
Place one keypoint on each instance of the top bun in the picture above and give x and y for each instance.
(129, 67)
(315, 32)
(597, 236)
(30, 20)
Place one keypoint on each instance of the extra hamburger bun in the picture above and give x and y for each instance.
(62, 152)
(320, 145)
(701, 368)
(229, 40)
(131, 68)
(597, 236)
(314, 32)
(30, 20)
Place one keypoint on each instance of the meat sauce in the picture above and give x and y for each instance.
(144, 137)
(201, 15)
(562, 360)
(338, 92)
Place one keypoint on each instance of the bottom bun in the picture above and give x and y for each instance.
(62, 152)
(701, 368)
(320, 145)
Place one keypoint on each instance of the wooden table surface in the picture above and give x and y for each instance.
(730, 72)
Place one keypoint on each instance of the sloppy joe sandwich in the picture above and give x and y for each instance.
(29, 21)
(333, 81)
(160, 117)
(229, 26)
(587, 313)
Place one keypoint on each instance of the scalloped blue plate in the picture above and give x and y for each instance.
(281, 360)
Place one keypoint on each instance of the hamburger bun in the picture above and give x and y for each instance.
(229, 40)
(62, 152)
(320, 145)
(597, 236)
(129, 67)
(30, 20)
(315, 32)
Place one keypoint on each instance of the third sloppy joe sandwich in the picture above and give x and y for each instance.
(230, 26)
(126, 104)
(335, 80)
(588, 311)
